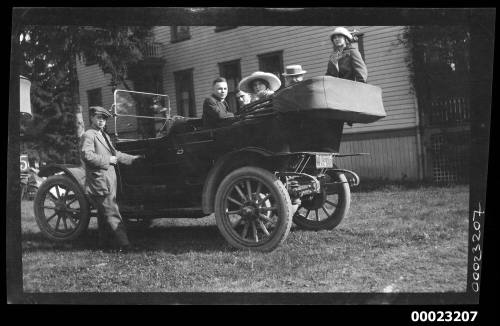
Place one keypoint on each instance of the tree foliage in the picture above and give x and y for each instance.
(439, 66)
(49, 55)
(437, 53)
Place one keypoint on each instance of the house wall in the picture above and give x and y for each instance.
(391, 155)
(391, 141)
(306, 45)
(91, 77)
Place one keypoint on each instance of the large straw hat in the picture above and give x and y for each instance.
(293, 70)
(246, 83)
(341, 31)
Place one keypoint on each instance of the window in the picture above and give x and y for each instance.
(179, 33)
(90, 59)
(94, 97)
(231, 70)
(272, 62)
(184, 92)
(223, 28)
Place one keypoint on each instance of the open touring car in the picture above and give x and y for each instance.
(270, 165)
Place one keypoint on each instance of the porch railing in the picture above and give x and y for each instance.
(449, 111)
(153, 50)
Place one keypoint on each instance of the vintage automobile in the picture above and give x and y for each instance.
(270, 165)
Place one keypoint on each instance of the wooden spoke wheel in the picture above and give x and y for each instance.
(324, 211)
(61, 209)
(253, 209)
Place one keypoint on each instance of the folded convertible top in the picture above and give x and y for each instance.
(345, 99)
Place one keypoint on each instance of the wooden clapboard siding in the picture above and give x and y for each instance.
(393, 154)
(306, 45)
(392, 157)
(90, 77)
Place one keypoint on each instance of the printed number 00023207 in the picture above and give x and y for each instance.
(446, 316)
(476, 248)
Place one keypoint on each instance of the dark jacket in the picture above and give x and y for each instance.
(95, 153)
(214, 110)
(351, 66)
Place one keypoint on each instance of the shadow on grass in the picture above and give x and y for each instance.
(381, 184)
(172, 239)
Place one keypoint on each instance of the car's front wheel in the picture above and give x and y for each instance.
(253, 209)
(61, 209)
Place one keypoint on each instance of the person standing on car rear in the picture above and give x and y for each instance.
(215, 106)
(345, 61)
(100, 157)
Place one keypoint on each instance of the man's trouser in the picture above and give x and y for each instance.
(109, 218)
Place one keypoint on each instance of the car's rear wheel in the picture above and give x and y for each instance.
(324, 211)
(253, 209)
(61, 209)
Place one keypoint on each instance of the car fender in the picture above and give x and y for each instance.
(216, 174)
(75, 172)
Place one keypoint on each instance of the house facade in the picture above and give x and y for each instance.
(184, 60)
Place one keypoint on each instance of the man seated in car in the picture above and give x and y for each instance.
(215, 108)
(293, 74)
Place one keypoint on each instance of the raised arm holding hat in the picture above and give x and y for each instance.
(345, 61)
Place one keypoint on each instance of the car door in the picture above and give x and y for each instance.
(134, 178)
(180, 163)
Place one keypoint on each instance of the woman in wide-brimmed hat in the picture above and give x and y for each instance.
(260, 85)
(345, 61)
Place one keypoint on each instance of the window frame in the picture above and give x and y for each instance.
(175, 37)
(89, 96)
(90, 61)
(192, 113)
(219, 29)
(261, 57)
(222, 66)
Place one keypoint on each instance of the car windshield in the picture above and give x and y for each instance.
(139, 115)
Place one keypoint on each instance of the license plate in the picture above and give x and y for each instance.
(324, 161)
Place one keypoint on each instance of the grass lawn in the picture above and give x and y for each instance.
(394, 239)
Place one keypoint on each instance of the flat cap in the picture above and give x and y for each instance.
(93, 110)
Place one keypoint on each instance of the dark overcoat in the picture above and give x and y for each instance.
(351, 66)
(214, 110)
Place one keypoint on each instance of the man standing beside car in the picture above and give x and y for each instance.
(100, 157)
(215, 106)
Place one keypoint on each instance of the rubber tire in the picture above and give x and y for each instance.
(279, 192)
(338, 215)
(82, 200)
